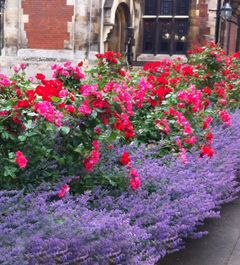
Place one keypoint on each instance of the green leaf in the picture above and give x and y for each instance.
(168, 95)
(112, 137)
(79, 149)
(5, 135)
(55, 99)
(32, 114)
(101, 84)
(65, 130)
(94, 114)
(22, 138)
(172, 121)
(111, 182)
(9, 171)
(11, 155)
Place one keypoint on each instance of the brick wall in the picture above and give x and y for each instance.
(47, 26)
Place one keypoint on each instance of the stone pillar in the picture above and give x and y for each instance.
(138, 26)
(11, 27)
(204, 29)
(200, 26)
(212, 5)
(95, 28)
(193, 23)
(87, 28)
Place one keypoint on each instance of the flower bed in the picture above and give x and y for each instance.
(129, 228)
(147, 165)
(75, 114)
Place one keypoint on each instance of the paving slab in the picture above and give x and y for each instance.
(220, 247)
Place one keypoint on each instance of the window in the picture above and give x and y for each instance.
(165, 24)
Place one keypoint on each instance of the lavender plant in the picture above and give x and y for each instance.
(134, 228)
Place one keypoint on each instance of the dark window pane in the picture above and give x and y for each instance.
(166, 7)
(165, 32)
(182, 7)
(181, 27)
(181, 31)
(149, 35)
(165, 28)
(164, 47)
(150, 7)
(180, 47)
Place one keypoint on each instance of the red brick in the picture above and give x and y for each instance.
(48, 20)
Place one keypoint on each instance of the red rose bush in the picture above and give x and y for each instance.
(67, 120)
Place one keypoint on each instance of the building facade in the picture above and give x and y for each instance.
(229, 30)
(78, 29)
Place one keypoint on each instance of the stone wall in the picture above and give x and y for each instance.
(77, 29)
(52, 29)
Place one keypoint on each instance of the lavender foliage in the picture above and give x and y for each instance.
(131, 228)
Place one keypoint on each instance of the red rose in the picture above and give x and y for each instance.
(98, 130)
(40, 76)
(21, 160)
(22, 103)
(125, 159)
(209, 136)
(63, 191)
(70, 108)
(207, 150)
(30, 94)
(92, 159)
(121, 72)
(135, 183)
(110, 147)
(62, 105)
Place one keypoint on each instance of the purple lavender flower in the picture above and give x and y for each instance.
(136, 228)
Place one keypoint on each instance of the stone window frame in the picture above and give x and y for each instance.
(172, 19)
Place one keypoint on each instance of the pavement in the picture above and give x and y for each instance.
(220, 247)
(35, 65)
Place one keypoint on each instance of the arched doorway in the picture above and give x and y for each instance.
(118, 37)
